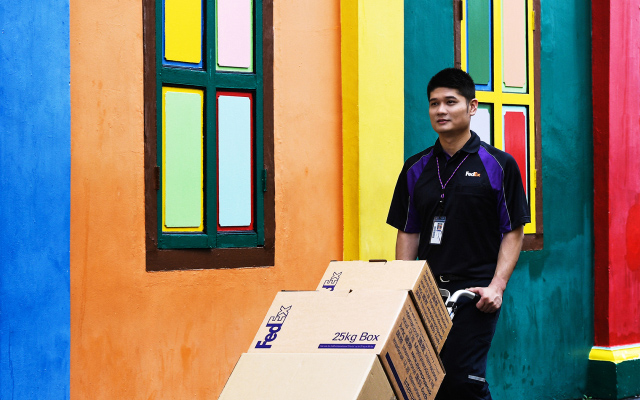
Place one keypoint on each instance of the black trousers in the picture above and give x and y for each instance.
(464, 354)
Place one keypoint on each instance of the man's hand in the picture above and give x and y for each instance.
(491, 298)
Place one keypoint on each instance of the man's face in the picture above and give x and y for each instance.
(449, 112)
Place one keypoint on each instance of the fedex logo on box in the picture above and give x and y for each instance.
(330, 284)
(274, 324)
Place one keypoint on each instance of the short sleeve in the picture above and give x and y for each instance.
(402, 213)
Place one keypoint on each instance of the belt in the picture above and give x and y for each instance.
(452, 278)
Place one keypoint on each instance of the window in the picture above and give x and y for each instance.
(498, 45)
(208, 134)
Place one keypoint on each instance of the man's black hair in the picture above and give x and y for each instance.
(453, 78)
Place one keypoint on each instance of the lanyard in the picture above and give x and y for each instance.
(441, 208)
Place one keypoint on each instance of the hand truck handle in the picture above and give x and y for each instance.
(450, 301)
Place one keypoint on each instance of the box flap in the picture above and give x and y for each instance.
(372, 275)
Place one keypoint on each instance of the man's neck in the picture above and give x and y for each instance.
(452, 143)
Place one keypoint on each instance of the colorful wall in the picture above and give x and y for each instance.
(549, 302)
(372, 121)
(615, 357)
(348, 109)
(136, 334)
(543, 343)
(34, 200)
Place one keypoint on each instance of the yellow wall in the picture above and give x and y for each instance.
(176, 335)
(373, 122)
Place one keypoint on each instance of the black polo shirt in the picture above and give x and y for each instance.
(483, 199)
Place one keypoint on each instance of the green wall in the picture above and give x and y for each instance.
(545, 332)
(423, 57)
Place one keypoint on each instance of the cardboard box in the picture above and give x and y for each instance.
(415, 276)
(309, 377)
(358, 322)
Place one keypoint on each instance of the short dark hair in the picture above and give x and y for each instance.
(453, 78)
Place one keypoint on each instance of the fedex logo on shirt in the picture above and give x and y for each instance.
(274, 324)
(331, 283)
(472, 174)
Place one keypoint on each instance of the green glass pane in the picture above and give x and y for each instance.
(183, 159)
(479, 40)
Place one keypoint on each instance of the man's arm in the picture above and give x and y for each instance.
(508, 255)
(407, 245)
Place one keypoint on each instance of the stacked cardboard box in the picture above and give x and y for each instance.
(298, 376)
(364, 315)
(414, 276)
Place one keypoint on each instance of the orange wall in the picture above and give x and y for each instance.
(172, 335)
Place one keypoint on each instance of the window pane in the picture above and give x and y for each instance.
(235, 161)
(514, 39)
(516, 138)
(182, 167)
(183, 32)
(479, 41)
(234, 34)
(481, 123)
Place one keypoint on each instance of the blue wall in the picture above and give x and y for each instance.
(34, 199)
(545, 332)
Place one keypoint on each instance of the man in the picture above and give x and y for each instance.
(461, 206)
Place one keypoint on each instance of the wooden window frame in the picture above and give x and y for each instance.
(227, 251)
(532, 241)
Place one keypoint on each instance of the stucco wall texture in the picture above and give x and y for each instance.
(618, 267)
(173, 335)
(34, 200)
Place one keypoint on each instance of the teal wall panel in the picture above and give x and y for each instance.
(34, 199)
(545, 331)
(428, 48)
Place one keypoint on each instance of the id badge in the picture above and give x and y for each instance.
(438, 228)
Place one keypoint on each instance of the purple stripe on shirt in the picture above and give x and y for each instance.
(413, 173)
(496, 177)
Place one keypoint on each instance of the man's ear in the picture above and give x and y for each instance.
(473, 106)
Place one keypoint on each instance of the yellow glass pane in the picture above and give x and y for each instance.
(183, 30)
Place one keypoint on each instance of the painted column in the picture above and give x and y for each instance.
(615, 359)
(373, 122)
(34, 199)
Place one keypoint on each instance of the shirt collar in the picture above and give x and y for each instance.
(472, 146)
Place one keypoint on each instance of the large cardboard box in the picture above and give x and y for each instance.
(415, 276)
(359, 322)
(309, 377)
